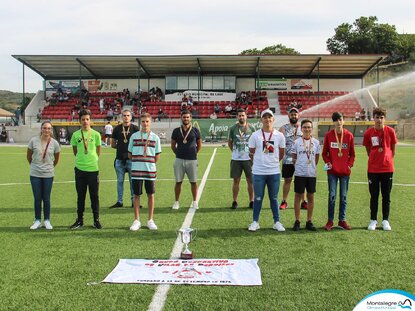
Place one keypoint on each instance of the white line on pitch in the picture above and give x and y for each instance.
(160, 296)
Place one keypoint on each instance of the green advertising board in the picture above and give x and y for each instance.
(217, 130)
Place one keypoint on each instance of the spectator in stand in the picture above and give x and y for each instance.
(39, 115)
(380, 142)
(216, 108)
(3, 134)
(228, 110)
(338, 154)
(234, 109)
(190, 101)
(110, 114)
(43, 155)
(184, 98)
(363, 115)
(159, 93)
(160, 114)
(213, 116)
(368, 115)
(153, 95)
(357, 116)
(108, 133)
(184, 106)
(101, 105)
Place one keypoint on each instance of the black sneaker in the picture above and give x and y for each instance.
(309, 226)
(97, 224)
(296, 226)
(116, 205)
(79, 223)
(234, 205)
(251, 204)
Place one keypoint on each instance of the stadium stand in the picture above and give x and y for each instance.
(319, 104)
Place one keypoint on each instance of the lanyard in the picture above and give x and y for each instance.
(309, 149)
(146, 142)
(87, 140)
(44, 150)
(339, 143)
(187, 134)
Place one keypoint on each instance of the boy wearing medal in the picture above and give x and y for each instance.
(305, 153)
(291, 132)
(144, 151)
(86, 145)
(266, 146)
(238, 143)
(338, 155)
(380, 142)
(119, 140)
(186, 142)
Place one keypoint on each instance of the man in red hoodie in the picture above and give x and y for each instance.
(338, 154)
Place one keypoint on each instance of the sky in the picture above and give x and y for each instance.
(136, 27)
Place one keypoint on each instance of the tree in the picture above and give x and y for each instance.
(365, 36)
(278, 49)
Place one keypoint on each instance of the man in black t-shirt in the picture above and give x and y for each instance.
(119, 140)
(186, 142)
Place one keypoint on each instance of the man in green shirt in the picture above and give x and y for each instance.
(238, 143)
(86, 145)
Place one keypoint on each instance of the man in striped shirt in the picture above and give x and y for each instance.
(144, 151)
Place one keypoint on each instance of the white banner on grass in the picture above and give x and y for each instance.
(243, 272)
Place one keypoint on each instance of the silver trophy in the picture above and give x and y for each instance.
(187, 235)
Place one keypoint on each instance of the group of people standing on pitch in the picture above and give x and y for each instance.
(137, 152)
(258, 153)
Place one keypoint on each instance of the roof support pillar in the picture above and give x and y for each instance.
(199, 79)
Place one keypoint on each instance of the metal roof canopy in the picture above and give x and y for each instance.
(72, 67)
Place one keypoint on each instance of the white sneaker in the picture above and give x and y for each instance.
(386, 226)
(36, 225)
(372, 225)
(254, 226)
(278, 226)
(151, 225)
(136, 225)
(48, 225)
(194, 205)
(176, 205)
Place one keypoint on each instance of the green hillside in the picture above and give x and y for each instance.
(11, 100)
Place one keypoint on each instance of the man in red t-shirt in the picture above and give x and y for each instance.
(380, 142)
(339, 155)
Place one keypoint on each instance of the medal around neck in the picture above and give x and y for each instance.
(187, 235)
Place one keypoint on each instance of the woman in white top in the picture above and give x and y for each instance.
(266, 146)
(43, 155)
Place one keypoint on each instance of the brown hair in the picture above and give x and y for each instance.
(145, 115)
(379, 112)
(45, 122)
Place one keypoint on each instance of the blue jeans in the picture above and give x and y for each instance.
(41, 187)
(122, 167)
(344, 186)
(273, 184)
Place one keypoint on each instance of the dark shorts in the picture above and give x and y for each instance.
(150, 186)
(287, 170)
(302, 183)
(107, 135)
(238, 166)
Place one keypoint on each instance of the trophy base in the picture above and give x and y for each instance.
(186, 255)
